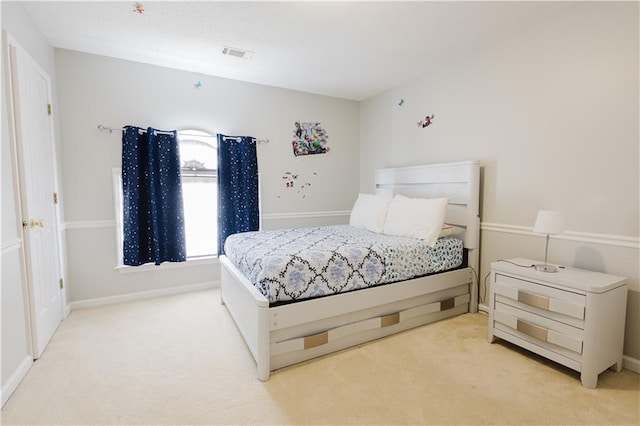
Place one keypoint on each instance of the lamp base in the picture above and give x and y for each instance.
(546, 268)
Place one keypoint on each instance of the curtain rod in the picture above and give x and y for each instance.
(108, 129)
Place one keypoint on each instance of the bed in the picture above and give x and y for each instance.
(282, 334)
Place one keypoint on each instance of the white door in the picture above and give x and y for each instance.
(31, 92)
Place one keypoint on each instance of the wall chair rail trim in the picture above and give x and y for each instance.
(88, 224)
(11, 245)
(585, 237)
(91, 224)
(605, 239)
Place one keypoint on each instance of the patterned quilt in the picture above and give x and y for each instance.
(301, 263)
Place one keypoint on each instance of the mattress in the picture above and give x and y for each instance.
(296, 264)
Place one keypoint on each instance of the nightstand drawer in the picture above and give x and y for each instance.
(573, 317)
(558, 337)
(541, 297)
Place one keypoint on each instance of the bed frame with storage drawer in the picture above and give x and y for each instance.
(283, 335)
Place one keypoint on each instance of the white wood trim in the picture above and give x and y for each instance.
(585, 237)
(92, 224)
(130, 297)
(89, 224)
(66, 310)
(208, 260)
(595, 238)
(632, 364)
(11, 245)
(12, 383)
(118, 227)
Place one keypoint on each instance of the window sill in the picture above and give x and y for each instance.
(200, 261)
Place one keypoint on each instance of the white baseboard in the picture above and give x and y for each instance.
(15, 379)
(66, 310)
(631, 364)
(130, 297)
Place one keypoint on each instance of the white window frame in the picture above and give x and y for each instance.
(203, 137)
(116, 176)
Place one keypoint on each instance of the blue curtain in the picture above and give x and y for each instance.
(153, 218)
(238, 208)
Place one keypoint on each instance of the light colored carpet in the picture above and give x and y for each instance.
(180, 360)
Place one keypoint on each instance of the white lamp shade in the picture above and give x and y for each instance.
(549, 222)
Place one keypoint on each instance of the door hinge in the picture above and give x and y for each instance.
(49, 109)
(55, 198)
(61, 283)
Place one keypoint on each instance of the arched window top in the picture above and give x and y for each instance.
(198, 150)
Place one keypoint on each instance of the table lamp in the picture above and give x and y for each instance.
(548, 222)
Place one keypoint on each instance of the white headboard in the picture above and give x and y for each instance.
(459, 182)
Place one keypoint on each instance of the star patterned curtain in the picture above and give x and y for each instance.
(238, 207)
(153, 218)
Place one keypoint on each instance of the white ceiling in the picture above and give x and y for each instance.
(351, 50)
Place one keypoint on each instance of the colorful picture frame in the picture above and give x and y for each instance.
(309, 138)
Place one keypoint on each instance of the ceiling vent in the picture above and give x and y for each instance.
(237, 53)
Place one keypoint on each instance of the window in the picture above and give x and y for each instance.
(199, 157)
(199, 169)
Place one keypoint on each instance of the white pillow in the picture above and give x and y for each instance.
(369, 212)
(416, 217)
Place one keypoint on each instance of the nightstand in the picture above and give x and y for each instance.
(573, 317)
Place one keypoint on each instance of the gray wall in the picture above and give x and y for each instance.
(552, 114)
(97, 90)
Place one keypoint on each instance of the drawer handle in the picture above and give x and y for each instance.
(529, 329)
(533, 300)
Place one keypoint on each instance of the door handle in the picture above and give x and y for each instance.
(34, 223)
